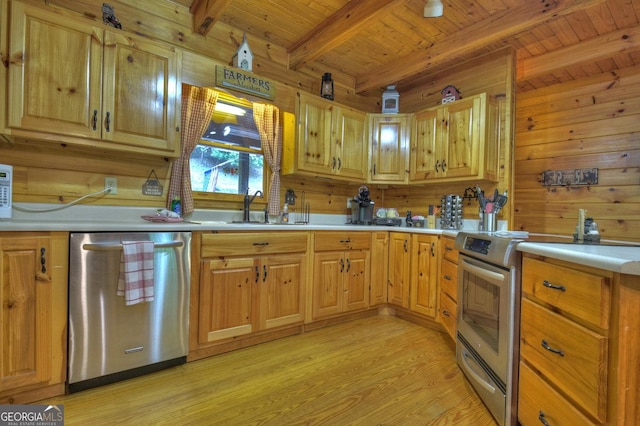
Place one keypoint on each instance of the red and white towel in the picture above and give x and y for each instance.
(135, 282)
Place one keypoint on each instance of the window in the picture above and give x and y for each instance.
(229, 158)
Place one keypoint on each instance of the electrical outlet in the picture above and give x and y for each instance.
(348, 203)
(111, 184)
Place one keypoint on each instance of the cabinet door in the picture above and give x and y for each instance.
(27, 312)
(281, 290)
(389, 144)
(314, 135)
(426, 156)
(379, 268)
(53, 91)
(399, 272)
(461, 137)
(328, 289)
(349, 143)
(424, 273)
(356, 280)
(227, 290)
(140, 90)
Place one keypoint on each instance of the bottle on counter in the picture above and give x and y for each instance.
(285, 213)
(176, 206)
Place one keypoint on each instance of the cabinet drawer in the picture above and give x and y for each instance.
(448, 249)
(449, 278)
(537, 400)
(579, 293)
(234, 244)
(328, 241)
(448, 314)
(580, 369)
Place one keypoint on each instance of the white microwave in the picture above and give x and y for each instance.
(6, 190)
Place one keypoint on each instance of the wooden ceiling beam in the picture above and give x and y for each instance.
(206, 12)
(495, 29)
(589, 51)
(338, 28)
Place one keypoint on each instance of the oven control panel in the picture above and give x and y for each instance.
(477, 245)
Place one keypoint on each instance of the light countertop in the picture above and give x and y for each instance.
(83, 218)
(622, 259)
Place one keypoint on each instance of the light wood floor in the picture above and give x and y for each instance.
(374, 371)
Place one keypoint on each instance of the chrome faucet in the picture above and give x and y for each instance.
(247, 202)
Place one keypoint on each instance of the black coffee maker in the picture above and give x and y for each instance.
(362, 208)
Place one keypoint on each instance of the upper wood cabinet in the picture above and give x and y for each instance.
(389, 143)
(80, 83)
(33, 292)
(455, 141)
(330, 141)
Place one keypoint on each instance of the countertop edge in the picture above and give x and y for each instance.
(620, 259)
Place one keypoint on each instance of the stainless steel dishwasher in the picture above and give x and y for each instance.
(110, 341)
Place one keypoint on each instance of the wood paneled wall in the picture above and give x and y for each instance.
(589, 123)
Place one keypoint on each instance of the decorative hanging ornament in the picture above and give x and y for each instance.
(391, 100)
(326, 89)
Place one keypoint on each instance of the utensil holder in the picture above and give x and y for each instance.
(489, 222)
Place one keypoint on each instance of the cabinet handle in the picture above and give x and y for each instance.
(339, 163)
(348, 264)
(374, 169)
(553, 286)
(43, 260)
(447, 277)
(333, 164)
(542, 419)
(443, 166)
(348, 240)
(264, 275)
(433, 250)
(108, 122)
(550, 349)
(95, 119)
(406, 246)
(265, 243)
(447, 248)
(341, 265)
(437, 165)
(257, 273)
(446, 313)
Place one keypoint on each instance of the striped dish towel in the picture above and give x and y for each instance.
(135, 282)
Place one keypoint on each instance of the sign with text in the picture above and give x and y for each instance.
(31, 415)
(245, 82)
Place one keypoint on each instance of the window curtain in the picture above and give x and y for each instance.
(267, 119)
(198, 104)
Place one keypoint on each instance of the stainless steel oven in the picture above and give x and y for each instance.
(487, 319)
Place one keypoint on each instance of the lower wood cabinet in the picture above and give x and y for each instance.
(33, 324)
(341, 273)
(413, 272)
(250, 282)
(423, 291)
(564, 343)
(399, 269)
(448, 280)
(379, 268)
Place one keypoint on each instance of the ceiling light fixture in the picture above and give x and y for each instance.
(433, 9)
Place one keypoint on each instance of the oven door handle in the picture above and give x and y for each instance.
(482, 272)
(482, 382)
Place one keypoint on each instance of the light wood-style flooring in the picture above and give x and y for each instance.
(379, 370)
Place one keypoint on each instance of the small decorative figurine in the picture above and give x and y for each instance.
(109, 17)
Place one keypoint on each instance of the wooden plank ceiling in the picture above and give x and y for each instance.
(379, 42)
